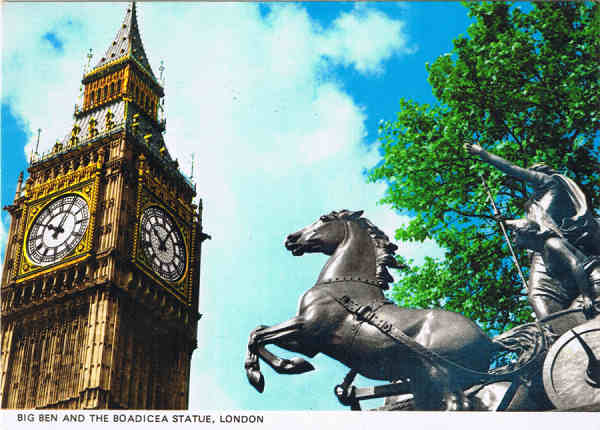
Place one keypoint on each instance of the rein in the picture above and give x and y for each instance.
(369, 315)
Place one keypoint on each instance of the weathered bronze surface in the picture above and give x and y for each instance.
(440, 357)
(561, 230)
(432, 359)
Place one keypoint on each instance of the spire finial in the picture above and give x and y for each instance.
(192, 172)
(37, 145)
(133, 13)
(127, 43)
(161, 69)
(89, 56)
(19, 185)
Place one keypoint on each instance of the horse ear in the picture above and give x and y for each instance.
(357, 214)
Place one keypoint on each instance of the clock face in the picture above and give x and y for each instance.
(58, 229)
(162, 244)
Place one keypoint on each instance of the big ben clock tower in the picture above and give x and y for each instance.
(99, 294)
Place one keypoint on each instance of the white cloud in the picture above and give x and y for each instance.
(253, 96)
(365, 38)
(277, 138)
(41, 82)
(267, 74)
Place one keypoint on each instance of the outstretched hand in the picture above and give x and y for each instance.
(472, 148)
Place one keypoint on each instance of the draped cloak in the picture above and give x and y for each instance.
(560, 207)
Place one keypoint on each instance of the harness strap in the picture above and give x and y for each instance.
(362, 312)
(369, 315)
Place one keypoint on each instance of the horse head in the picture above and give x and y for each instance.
(364, 245)
(324, 235)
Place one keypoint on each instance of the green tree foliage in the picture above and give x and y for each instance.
(524, 85)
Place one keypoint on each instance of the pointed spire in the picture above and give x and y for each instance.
(127, 43)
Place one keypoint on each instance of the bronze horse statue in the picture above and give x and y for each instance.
(346, 316)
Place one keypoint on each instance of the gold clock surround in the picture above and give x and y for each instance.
(83, 182)
(178, 288)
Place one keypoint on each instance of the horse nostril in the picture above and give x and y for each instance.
(292, 237)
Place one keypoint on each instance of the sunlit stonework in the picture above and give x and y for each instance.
(101, 277)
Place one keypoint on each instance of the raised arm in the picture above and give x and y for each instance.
(534, 178)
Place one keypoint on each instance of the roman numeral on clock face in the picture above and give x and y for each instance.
(162, 243)
(57, 230)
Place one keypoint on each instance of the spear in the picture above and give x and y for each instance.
(500, 220)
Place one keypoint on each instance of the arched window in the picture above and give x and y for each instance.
(105, 92)
(119, 87)
(91, 99)
(98, 95)
(112, 88)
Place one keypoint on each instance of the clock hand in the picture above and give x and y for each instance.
(167, 237)
(56, 229)
(161, 246)
(165, 241)
(62, 221)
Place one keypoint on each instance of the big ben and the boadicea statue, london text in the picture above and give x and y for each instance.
(101, 275)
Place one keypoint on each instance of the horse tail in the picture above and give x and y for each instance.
(526, 341)
(518, 340)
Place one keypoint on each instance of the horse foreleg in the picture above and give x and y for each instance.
(285, 335)
(292, 366)
(252, 365)
(278, 334)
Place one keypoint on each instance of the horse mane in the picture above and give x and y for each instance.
(385, 251)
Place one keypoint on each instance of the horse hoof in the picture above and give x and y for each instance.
(296, 366)
(256, 379)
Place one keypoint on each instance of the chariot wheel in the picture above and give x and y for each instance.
(572, 368)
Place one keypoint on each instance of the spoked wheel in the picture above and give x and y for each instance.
(572, 368)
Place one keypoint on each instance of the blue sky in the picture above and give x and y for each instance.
(280, 104)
